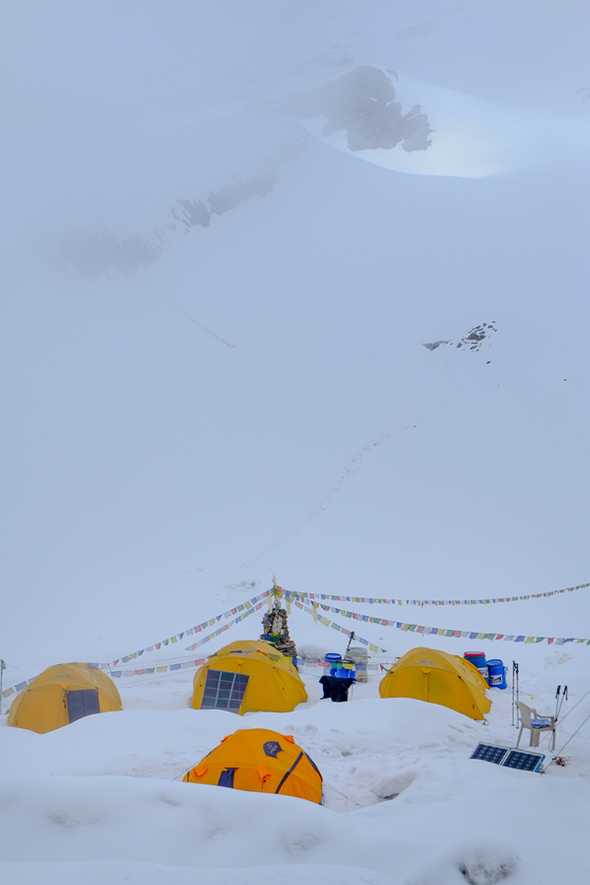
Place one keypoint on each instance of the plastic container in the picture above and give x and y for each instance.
(477, 658)
(330, 660)
(344, 670)
(497, 674)
(485, 672)
(360, 657)
(332, 657)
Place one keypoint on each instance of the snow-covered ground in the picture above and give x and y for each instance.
(403, 801)
(100, 799)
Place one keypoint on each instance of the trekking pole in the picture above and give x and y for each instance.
(563, 698)
(557, 700)
(514, 716)
(350, 638)
(515, 693)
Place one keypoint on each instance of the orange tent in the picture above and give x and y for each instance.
(260, 761)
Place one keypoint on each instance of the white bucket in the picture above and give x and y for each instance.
(360, 656)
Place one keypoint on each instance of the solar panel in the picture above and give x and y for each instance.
(524, 760)
(224, 691)
(82, 702)
(489, 753)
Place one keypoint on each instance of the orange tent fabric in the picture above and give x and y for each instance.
(261, 761)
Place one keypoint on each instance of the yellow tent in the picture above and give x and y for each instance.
(439, 678)
(248, 676)
(260, 645)
(260, 761)
(62, 694)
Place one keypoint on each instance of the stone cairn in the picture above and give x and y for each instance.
(276, 628)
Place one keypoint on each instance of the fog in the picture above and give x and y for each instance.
(223, 251)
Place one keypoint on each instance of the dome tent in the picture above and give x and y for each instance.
(61, 695)
(438, 678)
(261, 761)
(248, 676)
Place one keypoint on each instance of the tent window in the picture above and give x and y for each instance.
(226, 778)
(224, 691)
(82, 703)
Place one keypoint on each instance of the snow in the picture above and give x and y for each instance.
(188, 414)
(104, 793)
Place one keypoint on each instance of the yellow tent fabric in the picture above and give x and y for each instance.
(260, 645)
(62, 694)
(248, 676)
(260, 761)
(439, 678)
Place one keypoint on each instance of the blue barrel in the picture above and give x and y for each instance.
(497, 674)
(477, 658)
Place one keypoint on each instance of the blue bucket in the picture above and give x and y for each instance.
(332, 659)
(497, 674)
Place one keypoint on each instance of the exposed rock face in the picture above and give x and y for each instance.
(362, 103)
(471, 340)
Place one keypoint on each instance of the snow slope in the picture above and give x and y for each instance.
(156, 466)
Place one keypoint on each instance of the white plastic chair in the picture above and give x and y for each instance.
(527, 717)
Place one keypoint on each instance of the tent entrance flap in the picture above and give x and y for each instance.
(82, 702)
(226, 778)
(224, 691)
